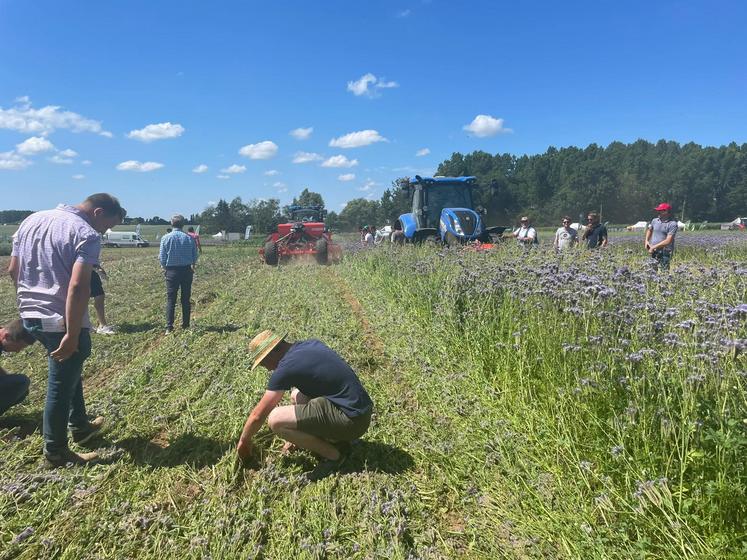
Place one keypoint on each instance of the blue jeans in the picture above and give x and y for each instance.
(65, 404)
(14, 388)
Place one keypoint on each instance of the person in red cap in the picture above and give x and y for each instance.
(660, 236)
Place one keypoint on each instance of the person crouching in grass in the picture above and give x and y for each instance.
(330, 408)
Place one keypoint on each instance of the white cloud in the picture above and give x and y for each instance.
(223, 176)
(422, 152)
(302, 133)
(234, 169)
(86, 162)
(202, 168)
(272, 172)
(11, 161)
(144, 167)
(404, 13)
(357, 139)
(24, 118)
(369, 85)
(306, 157)
(346, 177)
(368, 185)
(261, 150)
(160, 131)
(34, 145)
(69, 153)
(280, 186)
(339, 161)
(57, 158)
(79, 177)
(485, 125)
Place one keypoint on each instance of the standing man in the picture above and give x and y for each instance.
(99, 299)
(196, 236)
(14, 387)
(566, 237)
(54, 252)
(525, 234)
(329, 404)
(178, 255)
(596, 232)
(660, 234)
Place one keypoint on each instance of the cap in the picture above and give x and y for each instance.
(664, 207)
(262, 344)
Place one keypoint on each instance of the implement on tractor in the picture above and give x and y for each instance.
(304, 234)
(442, 209)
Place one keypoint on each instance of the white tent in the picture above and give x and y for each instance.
(218, 235)
(638, 226)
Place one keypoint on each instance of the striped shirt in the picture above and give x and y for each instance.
(177, 249)
(47, 245)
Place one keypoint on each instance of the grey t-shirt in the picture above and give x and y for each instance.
(565, 238)
(660, 230)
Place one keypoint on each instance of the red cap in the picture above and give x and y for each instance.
(664, 207)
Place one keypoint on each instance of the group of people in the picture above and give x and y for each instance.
(658, 241)
(52, 265)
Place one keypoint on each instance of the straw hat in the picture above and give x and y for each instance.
(262, 344)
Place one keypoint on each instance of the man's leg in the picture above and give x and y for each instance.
(13, 390)
(98, 305)
(64, 393)
(78, 419)
(172, 285)
(282, 421)
(186, 287)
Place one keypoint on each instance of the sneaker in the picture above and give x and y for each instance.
(105, 329)
(68, 457)
(86, 434)
(326, 468)
(169, 330)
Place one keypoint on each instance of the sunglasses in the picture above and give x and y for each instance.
(566, 222)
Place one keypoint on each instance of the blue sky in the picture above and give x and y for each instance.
(132, 97)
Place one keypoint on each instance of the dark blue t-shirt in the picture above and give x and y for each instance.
(595, 236)
(317, 371)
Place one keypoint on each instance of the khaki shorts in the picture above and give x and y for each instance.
(320, 418)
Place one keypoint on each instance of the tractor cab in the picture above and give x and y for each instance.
(442, 207)
(303, 221)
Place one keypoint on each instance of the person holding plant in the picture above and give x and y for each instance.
(330, 408)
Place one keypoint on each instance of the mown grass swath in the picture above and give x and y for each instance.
(526, 406)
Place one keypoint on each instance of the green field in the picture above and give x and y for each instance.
(525, 407)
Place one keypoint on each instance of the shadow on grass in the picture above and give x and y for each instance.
(129, 328)
(25, 424)
(221, 328)
(374, 456)
(187, 449)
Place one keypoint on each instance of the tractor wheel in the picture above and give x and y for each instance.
(271, 253)
(322, 251)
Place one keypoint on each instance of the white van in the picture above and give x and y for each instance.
(124, 239)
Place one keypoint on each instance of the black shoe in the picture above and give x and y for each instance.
(91, 431)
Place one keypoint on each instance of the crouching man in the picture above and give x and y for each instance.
(14, 387)
(330, 405)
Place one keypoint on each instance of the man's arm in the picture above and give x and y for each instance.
(162, 253)
(647, 239)
(78, 293)
(13, 268)
(604, 237)
(667, 241)
(256, 418)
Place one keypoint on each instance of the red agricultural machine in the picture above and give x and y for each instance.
(304, 234)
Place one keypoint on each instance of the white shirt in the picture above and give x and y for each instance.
(565, 238)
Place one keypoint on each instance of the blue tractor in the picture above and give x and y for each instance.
(442, 209)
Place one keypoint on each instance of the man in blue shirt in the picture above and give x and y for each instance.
(178, 255)
(329, 404)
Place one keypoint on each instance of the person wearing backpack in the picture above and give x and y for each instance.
(525, 234)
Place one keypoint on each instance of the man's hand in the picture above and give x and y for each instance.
(68, 347)
(244, 450)
(103, 274)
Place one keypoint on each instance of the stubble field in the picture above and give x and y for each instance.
(526, 406)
